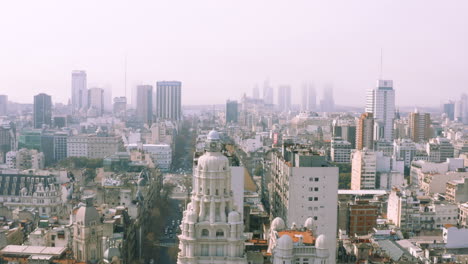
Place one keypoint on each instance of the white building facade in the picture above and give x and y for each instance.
(212, 228)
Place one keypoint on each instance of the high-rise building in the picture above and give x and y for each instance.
(3, 105)
(461, 109)
(420, 126)
(79, 90)
(381, 103)
(346, 130)
(365, 131)
(308, 99)
(340, 151)
(255, 92)
(120, 106)
(363, 170)
(96, 101)
(60, 146)
(267, 93)
(327, 104)
(284, 98)
(305, 185)
(42, 110)
(168, 100)
(7, 139)
(212, 228)
(144, 107)
(231, 111)
(449, 110)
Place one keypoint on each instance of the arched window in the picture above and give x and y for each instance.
(219, 233)
(205, 233)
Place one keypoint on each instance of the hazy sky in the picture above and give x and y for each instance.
(222, 48)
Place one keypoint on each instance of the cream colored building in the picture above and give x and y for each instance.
(87, 234)
(212, 228)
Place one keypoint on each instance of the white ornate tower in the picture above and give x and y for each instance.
(211, 227)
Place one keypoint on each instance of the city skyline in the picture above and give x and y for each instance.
(215, 55)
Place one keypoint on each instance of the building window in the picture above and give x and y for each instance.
(205, 233)
(311, 199)
(316, 179)
(315, 198)
(316, 189)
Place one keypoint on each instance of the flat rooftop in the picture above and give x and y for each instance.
(32, 250)
(362, 192)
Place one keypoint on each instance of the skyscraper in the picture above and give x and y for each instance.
(364, 170)
(308, 99)
(449, 110)
(212, 228)
(79, 90)
(96, 100)
(144, 107)
(461, 109)
(231, 111)
(120, 106)
(42, 110)
(255, 92)
(284, 98)
(267, 93)
(365, 131)
(420, 126)
(327, 104)
(168, 100)
(381, 103)
(3, 105)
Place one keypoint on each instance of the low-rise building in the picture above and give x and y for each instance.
(92, 146)
(456, 191)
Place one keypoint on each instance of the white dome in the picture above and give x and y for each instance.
(87, 214)
(234, 217)
(293, 226)
(321, 242)
(213, 161)
(277, 224)
(309, 223)
(285, 242)
(213, 135)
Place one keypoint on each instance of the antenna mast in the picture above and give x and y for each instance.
(381, 63)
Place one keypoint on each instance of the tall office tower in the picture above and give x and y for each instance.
(327, 104)
(79, 90)
(461, 109)
(365, 131)
(449, 110)
(308, 99)
(3, 105)
(96, 101)
(304, 97)
(420, 126)
(7, 139)
(120, 106)
(381, 103)
(256, 92)
(168, 100)
(144, 107)
(42, 110)
(306, 185)
(312, 98)
(212, 228)
(284, 98)
(363, 170)
(231, 111)
(267, 93)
